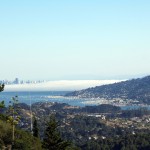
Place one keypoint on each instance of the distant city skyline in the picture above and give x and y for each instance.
(74, 40)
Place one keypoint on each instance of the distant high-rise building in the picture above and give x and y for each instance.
(16, 81)
(21, 82)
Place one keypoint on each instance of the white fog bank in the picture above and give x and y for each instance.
(63, 85)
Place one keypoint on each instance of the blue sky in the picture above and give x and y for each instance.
(74, 39)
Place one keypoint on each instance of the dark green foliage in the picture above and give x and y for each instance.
(103, 108)
(5, 134)
(135, 113)
(25, 141)
(35, 128)
(127, 142)
(2, 105)
(1, 87)
(22, 139)
(91, 145)
(52, 139)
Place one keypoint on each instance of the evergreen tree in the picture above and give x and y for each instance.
(2, 105)
(35, 128)
(13, 116)
(52, 139)
(1, 89)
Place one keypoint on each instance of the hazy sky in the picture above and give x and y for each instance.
(74, 39)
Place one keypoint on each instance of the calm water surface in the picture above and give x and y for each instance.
(32, 97)
(51, 96)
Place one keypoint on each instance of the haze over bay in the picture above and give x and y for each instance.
(62, 85)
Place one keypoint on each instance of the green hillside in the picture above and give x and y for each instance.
(136, 89)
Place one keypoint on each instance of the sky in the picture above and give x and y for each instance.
(74, 39)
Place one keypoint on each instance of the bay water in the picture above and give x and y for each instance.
(30, 97)
(41, 96)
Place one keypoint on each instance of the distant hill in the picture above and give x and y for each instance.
(136, 89)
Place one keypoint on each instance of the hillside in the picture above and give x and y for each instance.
(136, 89)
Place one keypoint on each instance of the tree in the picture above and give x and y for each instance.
(25, 141)
(35, 128)
(2, 105)
(1, 87)
(5, 134)
(13, 117)
(52, 139)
